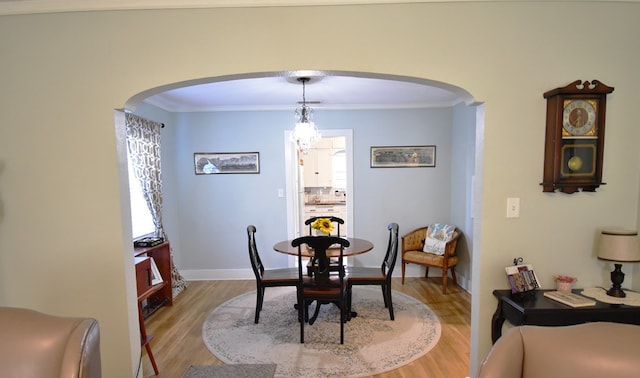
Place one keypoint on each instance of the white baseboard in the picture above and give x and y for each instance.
(413, 270)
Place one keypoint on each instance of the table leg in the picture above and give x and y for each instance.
(496, 323)
(146, 339)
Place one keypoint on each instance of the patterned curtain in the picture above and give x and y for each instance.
(143, 143)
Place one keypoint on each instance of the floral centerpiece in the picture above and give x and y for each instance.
(323, 225)
(563, 283)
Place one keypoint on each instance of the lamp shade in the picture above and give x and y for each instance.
(619, 245)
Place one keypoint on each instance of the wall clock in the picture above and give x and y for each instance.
(574, 141)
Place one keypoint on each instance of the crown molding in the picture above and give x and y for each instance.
(13, 7)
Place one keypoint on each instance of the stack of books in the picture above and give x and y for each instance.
(570, 299)
(147, 242)
(522, 278)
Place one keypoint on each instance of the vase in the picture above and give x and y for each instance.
(564, 287)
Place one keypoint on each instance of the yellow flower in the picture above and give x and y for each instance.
(323, 225)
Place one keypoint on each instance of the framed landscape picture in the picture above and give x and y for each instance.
(403, 156)
(213, 163)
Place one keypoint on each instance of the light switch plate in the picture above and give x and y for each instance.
(513, 207)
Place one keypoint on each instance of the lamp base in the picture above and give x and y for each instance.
(616, 292)
(617, 278)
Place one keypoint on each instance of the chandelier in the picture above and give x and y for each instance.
(305, 134)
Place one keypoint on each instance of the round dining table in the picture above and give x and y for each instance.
(356, 247)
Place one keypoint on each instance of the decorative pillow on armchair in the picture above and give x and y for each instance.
(438, 234)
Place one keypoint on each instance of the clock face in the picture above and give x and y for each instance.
(579, 118)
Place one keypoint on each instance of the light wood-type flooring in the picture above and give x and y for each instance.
(177, 330)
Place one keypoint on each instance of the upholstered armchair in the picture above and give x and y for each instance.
(435, 248)
(37, 345)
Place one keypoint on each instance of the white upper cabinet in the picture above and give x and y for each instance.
(318, 167)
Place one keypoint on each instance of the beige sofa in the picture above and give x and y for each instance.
(590, 350)
(37, 345)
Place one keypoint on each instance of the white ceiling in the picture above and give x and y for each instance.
(328, 91)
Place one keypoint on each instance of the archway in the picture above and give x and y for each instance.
(461, 94)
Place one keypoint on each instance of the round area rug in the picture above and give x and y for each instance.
(373, 343)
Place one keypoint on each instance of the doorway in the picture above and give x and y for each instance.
(295, 188)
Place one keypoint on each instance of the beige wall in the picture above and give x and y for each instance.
(62, 245)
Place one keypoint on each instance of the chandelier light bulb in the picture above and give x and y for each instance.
(305, 133)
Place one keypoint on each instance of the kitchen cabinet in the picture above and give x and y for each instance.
(326, 210)
(318, 167)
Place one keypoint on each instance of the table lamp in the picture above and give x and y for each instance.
(618, 246)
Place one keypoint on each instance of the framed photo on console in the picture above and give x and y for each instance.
(156, 277)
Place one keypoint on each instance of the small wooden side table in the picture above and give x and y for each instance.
(536, 309)
(160, 293)
(145, 339)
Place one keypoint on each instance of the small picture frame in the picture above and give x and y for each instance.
(403, 156)
(156, 277)
(213, 163)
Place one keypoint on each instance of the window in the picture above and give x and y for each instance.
(141, 219)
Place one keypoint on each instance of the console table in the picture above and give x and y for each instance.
(536, 309)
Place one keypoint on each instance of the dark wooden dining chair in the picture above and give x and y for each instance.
(267, 277)
(378, 276)
(321, 286)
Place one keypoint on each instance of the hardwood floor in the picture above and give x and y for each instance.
(177, 330)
